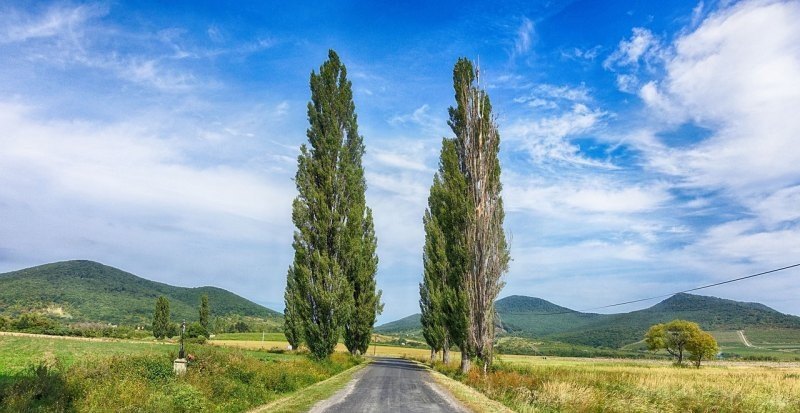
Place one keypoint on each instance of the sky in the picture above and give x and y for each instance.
(646, 147)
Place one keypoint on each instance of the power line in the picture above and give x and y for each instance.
(671, 294)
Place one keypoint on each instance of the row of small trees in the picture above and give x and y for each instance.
(465, 252)
(330, 288)
(163, 327)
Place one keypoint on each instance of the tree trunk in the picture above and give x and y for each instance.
(465, 362)
(433, 354)
(446, 352)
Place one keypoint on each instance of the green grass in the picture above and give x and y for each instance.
(67, 375)
(769, 337)
(19, 353)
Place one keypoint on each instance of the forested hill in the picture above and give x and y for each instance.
(90, 291)
(711, 313)
(538, 318)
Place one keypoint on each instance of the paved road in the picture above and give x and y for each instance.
(390, 385)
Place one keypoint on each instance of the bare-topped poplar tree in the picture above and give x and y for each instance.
(478, 143)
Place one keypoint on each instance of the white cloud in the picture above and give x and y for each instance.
(548, 96)
(642, 46)
(56, 21)
(737, 74)
(524, 39)
(548, 138)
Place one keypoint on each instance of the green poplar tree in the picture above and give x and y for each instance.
(161, 324)
(205, 313)
(331, 285)
(292, 326)
(433, 286)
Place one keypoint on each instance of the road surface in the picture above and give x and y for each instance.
(391, 385)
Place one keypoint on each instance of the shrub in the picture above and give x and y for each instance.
(195, 330)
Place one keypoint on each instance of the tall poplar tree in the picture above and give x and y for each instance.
(161, 324)
(292, 325)
(331, 284)
(359, 260)
(477, 144)
(448, 206)
(433, 286)
(205, 312)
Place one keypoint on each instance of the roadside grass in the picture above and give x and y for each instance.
(304, 400)
(474, 400)
(88, 376)
(534, 384)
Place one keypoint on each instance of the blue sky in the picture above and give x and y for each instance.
(647, 147)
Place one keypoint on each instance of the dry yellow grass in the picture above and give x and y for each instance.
(380, 350)
(536, 384)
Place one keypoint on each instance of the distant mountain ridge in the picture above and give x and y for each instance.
(534, 317)
(90, 291)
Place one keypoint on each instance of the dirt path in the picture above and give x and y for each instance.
(744, 339)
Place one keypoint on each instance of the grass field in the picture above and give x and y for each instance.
(67, 374)
(553, 384)
(19, 353)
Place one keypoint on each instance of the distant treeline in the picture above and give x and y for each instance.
(36, 323)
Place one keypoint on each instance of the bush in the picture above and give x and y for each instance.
(195, 330)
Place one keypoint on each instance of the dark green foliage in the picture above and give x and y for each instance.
(433, 290)
(195, 330)
(239, 327)
(331, 282)
(292, 325)
(361, 265)
(205, 313)
(33, 323)
(161, 323)
(89, 291)
(449, 205)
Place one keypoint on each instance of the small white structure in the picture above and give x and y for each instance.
(179, 366)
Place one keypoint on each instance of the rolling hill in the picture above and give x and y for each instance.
(90, 291)
(533, 317)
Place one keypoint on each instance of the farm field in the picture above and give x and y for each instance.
(252, 341)
(539, 384)
(17, 353)
(68, 374)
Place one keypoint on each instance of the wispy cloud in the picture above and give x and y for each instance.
(549, 138)
(524, 39)
(56, 21)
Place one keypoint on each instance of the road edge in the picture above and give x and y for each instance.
(303, 399)
(471, 399)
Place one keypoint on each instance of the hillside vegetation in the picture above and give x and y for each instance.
(537, 318)
(90, 291)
